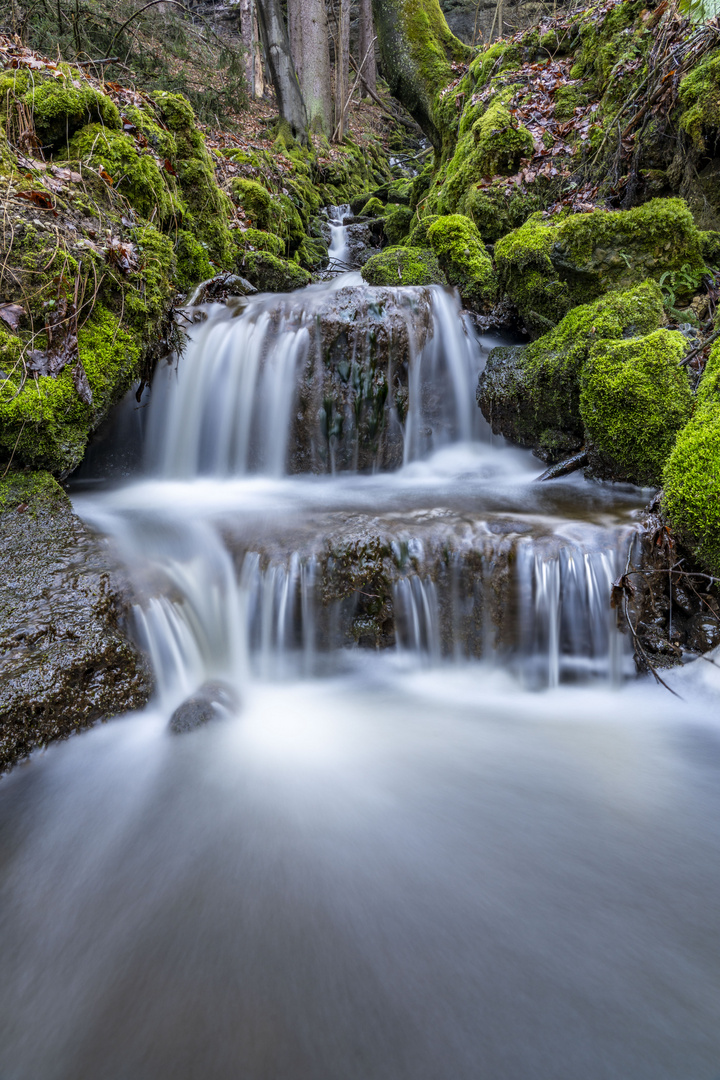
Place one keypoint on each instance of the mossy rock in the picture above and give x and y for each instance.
(373, 208)
(135, 176)
(567, 100)
(47, 425)
(634, 399)
(699, 95)
(193, 264)
(497, 211)
(58, 107)
(397, 224)
(312, 253)
(548, 266)
(494, 146)
(691, 483)
(403, 266)
(419, 233)
(257, 240)
(464, 260)
(531, 393)
(268, 273)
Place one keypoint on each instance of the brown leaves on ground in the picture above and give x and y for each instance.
(61, 327)
(123, 254)
(12, 314)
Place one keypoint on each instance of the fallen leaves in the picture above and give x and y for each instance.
(11, 314)
(123, 254)
(39, 198)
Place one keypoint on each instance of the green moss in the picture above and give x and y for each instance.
(36, 491)
(464, 260)
(59, 108)
(262, 210)
(699, 95)
(153, 284)
(270, 274)
(634, 398)
(567, 100)
(419, 234)
(46, 424)
(257, 240)
(710, 247)
(372, 208)
(398, 223)
(528, 392)
(403, 266)
(134, 175)
(550, 265)
(193, 265)
(497, 210)
(312, 253)
(502, 56)
(494, 146)
(691, 483)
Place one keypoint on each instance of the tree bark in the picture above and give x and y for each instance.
(294, 10)
(417, 49)
(281, 68)
(315, 64)
(366, 48)
(342, 68)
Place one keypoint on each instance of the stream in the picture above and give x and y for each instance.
(438, 828)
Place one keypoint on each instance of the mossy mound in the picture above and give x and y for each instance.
(257, 240)
(531, 394)
(398, 223)
(59, 106)
(270, 274)
(372, 208)
(464, 260)
(691, 483)
(550, 265)
(494, 146)
(700, 96)
(403, 266)
(419, 233)
(634, 398)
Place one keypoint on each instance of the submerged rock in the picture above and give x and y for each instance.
(213, 701)
(65, 660)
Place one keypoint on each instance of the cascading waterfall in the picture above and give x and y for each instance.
(430, 834)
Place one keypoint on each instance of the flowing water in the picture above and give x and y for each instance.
(447, 834)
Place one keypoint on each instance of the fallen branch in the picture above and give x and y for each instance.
(563, 468)
(699, 348)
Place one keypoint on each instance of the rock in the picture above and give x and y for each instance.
(464, 260)
(270, 274)
(213, 701)
(64, 656)
(634, 398)
(691, 484)
(531, 394)
(219, 288)
(403, 266)
(549, 266)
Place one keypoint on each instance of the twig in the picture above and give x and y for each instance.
(91, 63)
(699, 348)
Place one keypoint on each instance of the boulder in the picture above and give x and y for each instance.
(212, 701)
(403, 266)
(531, 393)
(464, 260)
(65, 657)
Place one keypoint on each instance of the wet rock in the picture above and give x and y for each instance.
(220, 287)
(213, 701)
(65, 658)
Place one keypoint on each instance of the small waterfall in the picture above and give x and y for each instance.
(416, 618)
(339, 251)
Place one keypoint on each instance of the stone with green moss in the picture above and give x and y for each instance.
(193, 264)
(567, 99)
(372, 208)
(58, 106)
(699, 95)
(531, 394)
(257, 240)
(634, 398)
(550, 265)
(691, 484)
(397, 224)
(419, 233)
(464, 260)
(403, 266)
(497, 210)
(268, 273)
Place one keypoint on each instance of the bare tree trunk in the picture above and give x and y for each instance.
(247, 33)
(281, 68)
(315, 79)
(294, 10)
(367, 47)
(342, 67)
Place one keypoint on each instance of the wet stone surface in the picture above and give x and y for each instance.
(65, 661)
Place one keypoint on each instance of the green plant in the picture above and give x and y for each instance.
(685, 281)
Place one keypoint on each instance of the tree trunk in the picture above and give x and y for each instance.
(417, 49)
(281, 68)
(294, 9)
(367, 48)
(249, 34)
(342, 68)
(315, 64)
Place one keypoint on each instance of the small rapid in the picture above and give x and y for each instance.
(445, 831)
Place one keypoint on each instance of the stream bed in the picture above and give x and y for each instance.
(441, 831)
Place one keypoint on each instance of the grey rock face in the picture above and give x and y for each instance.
(65, 660)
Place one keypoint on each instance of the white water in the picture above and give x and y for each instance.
(483, 852)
